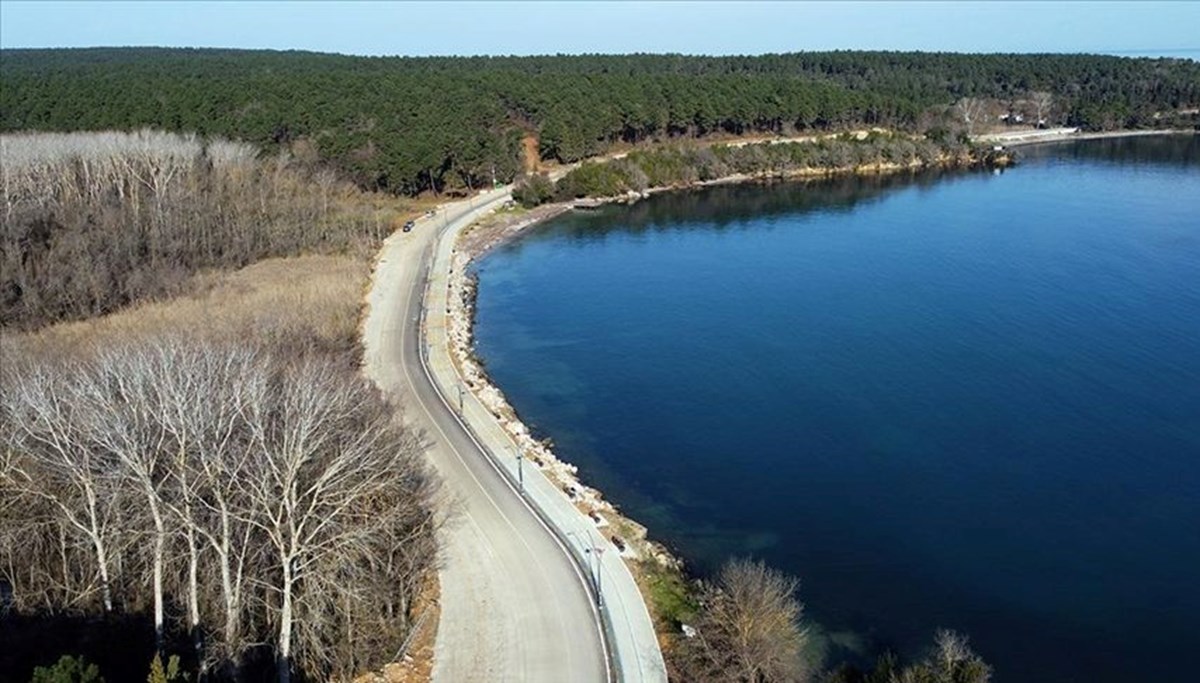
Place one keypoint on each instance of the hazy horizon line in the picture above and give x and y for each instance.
(1146, 52)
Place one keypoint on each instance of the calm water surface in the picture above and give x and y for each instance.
(967, 401)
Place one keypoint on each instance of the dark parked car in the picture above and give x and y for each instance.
(409, 226)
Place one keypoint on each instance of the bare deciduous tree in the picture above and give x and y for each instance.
(319, 448)
(48, 457)
(209, 454)
(279, 502)
(94, 221)
(749, 629)
(971, 110)
(118, 416)
(954, 661)
(1042, 102)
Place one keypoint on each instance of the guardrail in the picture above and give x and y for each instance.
(629, 657)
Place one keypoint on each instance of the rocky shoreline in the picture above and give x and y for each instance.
(649, 561)
(503, 226)
(626, 534)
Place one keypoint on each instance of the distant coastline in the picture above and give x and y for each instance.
(652, 559)
(1192, 53)
(1038, 137)
(494, 231)
(1044, 204)
(485, 236)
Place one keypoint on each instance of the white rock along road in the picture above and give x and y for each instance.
(514, 606)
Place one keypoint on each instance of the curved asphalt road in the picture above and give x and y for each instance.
(514, 606)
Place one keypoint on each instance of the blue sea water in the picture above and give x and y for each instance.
(953, 400)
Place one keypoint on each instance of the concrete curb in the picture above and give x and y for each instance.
(630, 637)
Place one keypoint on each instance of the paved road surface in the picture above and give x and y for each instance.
(514, 607)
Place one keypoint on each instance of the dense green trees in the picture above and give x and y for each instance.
(447, 123)
(686, 164)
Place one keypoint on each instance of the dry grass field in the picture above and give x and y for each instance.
(296, 305)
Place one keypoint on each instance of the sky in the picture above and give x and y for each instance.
(473, 28)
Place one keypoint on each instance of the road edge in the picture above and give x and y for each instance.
(631, 643)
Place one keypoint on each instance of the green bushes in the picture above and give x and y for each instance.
(610, 179)
(68, 669)
(168, 673)
(681, 166)
(670, 166)
(533, 190)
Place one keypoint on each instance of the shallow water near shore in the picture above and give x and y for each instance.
(960, 400)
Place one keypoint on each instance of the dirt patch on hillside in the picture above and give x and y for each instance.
(531, 158)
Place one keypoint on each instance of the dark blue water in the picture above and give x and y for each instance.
(968, 401)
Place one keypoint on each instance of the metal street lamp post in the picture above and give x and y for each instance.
(592, 552)
(599, 573)
(520, 470)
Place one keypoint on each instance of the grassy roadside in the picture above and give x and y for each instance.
(669, 595)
